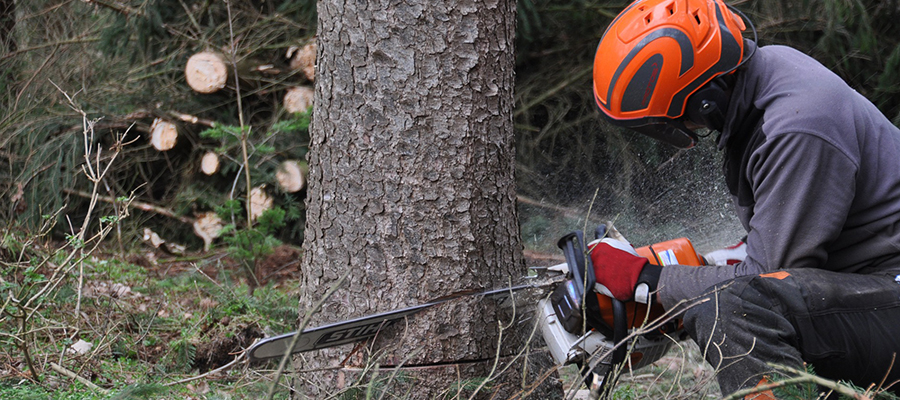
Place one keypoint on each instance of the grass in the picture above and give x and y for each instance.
(153, 323)
(150, 325)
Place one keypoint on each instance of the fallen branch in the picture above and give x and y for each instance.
(135, 204)
(84, 381)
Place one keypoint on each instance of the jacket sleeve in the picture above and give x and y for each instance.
(803, 187)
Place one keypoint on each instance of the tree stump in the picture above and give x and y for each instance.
(206, 72)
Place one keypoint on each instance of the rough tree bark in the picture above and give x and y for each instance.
(411, 189)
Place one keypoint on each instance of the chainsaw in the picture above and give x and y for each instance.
(580, 321)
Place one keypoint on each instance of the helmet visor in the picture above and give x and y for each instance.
(672, 132)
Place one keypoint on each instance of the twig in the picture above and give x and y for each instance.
(245, 133)
(801, 377)
(84, 381)
(52, 44)
(208, 373)
(881, 384)
(192, 119)
(135, 204)
(120, 8)
(46, 62)
(296, 338)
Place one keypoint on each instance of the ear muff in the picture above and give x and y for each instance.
(708, 105)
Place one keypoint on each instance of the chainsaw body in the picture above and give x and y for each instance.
(583, 326)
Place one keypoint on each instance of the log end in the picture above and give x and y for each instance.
(208, 226)
(298, 99)
(209, 164)
(291, 175)
(260, 202)
(304, 59)
(206, 72)
(163, 135)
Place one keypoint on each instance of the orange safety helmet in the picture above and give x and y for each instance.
(656, 54)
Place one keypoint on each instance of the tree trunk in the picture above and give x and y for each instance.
(411, 190)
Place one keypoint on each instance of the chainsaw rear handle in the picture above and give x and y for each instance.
(620, 314)
(571, 302)
(575, 302)
(620, 330)
(573, 247)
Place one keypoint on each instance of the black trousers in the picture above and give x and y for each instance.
(846, 325)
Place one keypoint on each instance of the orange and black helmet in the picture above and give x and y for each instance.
(657, 53)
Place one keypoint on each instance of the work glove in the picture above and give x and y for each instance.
(728, 256)
(620, 270)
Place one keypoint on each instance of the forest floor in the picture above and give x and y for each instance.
(148, 323)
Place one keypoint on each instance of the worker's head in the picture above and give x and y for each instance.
(659, 66)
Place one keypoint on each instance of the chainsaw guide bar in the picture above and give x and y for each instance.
(357, 329)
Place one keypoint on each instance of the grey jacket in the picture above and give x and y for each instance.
(814, 170)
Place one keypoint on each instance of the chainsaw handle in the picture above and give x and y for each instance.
(620, 330)
(580, 266)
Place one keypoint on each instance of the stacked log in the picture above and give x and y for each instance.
(304, 59)
(260, 202)
(209, 164)
(163, 134)
(208, 226)
(209, 72)
(291, 175)
(206, 72)
(298, 99)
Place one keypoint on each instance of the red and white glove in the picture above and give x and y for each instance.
(618, 267)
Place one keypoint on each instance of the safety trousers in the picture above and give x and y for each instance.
(847, 326)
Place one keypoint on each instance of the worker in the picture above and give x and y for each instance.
(814, 171)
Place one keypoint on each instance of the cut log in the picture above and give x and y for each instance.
(208, 227)
(206, 72)
(163, 134)
(304, 59)
(209, 164)
(298, 99)
(291, 175)
(260, 202)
